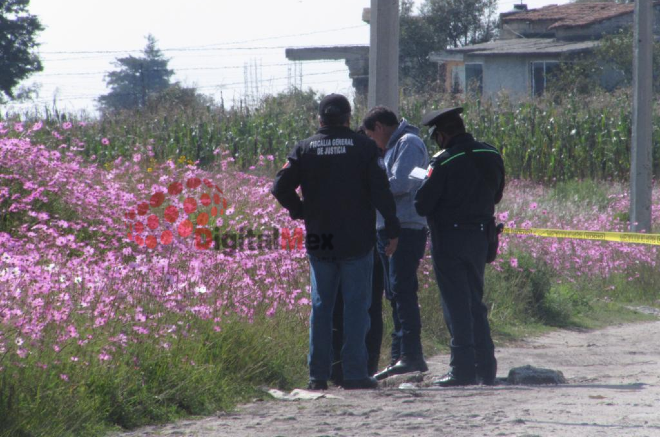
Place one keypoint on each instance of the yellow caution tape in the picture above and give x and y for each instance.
(619, 237)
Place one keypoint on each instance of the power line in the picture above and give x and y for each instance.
(212, 46)
(221, 86)
(286, 36)
(212, 49)
(229, 67)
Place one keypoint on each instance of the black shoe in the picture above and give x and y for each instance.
(486, 374)
(358, 384)
(487, 381)
(450, 380)
(405, 365)
(317, 385)
(383, 374)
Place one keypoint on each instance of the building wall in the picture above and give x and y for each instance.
(511, 76)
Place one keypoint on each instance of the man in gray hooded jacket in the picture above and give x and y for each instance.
(402, 150)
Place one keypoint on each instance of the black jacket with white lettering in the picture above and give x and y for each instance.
(458, 189)
(341, 183)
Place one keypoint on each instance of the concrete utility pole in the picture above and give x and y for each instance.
(384, 55)
(641, 172)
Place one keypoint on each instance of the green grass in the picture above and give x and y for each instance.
(146, 384)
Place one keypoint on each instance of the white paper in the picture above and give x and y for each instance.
(418, 173)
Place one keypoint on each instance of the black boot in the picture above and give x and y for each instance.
(407, 364)
(360, 384)
(487, 373)
(453, 379)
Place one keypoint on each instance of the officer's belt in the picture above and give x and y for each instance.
(463, 227)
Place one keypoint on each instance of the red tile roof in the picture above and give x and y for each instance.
(573, 14)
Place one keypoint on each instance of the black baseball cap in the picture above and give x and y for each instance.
(442, 116)
(333, 105)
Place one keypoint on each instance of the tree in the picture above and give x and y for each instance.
(616, 51)
(137, 79)
(416, 41)
(439, 25)
(462, 21)
(18, 31)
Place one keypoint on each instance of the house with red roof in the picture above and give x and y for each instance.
(532, 45)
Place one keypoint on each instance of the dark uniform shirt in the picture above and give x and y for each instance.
(459, 189)
(341, 182)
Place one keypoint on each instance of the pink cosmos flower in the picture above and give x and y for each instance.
(67, 125)
(64, 377)
(513, 262)
(105, 141)
(18, 127)
(104, 357)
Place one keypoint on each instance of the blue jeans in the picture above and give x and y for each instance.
(401, 285)
(355, 277)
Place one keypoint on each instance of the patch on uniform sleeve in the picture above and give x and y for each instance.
(286, 164)
(430, 171)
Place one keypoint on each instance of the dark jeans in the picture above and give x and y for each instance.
(400, 277)
(375, 334)
(355, 276)
(459, 261)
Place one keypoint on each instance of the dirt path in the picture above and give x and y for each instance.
(613, 390)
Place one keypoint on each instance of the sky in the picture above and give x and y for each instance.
(218, 46)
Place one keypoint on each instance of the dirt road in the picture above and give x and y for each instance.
(613, 390)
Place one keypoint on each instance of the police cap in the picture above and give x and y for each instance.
(334, 105)
(441, 116)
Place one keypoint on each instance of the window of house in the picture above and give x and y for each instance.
(474, 78)
(542, 72)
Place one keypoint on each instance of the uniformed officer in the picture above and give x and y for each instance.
(458, 197)
(341, 183)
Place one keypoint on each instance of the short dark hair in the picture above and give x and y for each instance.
(382, 115)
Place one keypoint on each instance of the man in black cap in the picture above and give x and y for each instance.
(374, 338)
(458, 197)
(341, 183)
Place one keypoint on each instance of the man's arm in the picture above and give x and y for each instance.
(379, 191)
(500, 189)
(413, 154)
(286, 182)
(430, 192)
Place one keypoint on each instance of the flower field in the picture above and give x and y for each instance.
(116, 310)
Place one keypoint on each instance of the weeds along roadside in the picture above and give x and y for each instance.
(154, 356)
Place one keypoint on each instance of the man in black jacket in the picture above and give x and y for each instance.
(341, 184)
(458, 197)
